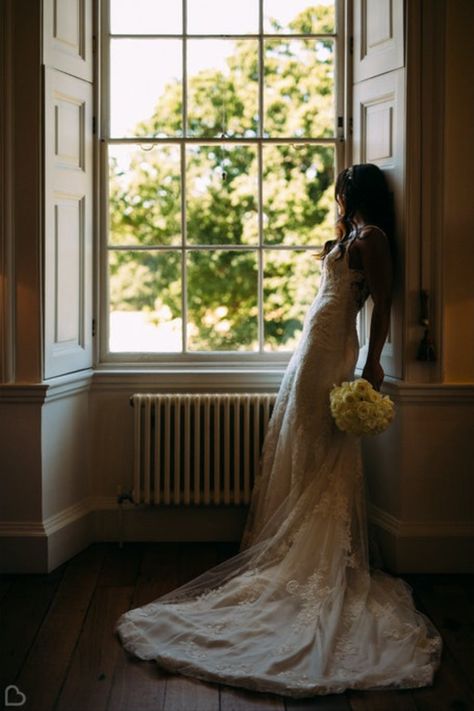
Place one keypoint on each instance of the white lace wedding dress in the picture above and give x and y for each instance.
(299, 610)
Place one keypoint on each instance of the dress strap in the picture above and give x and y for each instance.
(358, 231)
(349, 241)
(347, 250)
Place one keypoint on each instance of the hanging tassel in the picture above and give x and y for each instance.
(426, 349)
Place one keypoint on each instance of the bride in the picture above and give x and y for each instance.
(300, 610)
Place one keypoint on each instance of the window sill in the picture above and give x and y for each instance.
(190, 378)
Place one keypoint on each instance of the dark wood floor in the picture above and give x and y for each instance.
(58, 646)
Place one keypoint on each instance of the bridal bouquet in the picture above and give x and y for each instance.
(359, 409)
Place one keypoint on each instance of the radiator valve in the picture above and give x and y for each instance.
(124, 496)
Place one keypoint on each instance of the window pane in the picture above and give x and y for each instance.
(222, 300)
(298, 194)
(222, 87)
(210, 17)
(299, 16)
(144, 195)
(145, 87)
(299, 96)
(143, 17)
(222, 189)
(145, 301)
(290, 283)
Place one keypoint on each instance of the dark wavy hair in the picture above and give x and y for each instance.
(362, 188)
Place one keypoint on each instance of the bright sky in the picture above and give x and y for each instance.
(141, 69)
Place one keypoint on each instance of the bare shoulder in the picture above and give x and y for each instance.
(371, 233)
(372, 240)
(371, 245)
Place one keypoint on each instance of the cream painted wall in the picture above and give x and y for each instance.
(111, 432)
(27, 196)
(65, 453)
(459, 198)
(436, 467)
(20, 471)
(419, 479)
(383, 457)
(420, 469)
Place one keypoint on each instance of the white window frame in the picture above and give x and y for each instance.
(200, 360)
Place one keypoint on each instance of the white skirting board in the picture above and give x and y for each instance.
(29, 547)
(423, 546)
(32, 547)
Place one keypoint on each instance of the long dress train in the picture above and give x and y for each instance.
(299, 610)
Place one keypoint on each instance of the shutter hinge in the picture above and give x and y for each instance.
(340, 128)
(94, 125)
(93, 327)
(351, 45)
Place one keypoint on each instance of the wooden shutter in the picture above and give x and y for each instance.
(68, 186)
(379, 131)
(67, 37)
(378, 37)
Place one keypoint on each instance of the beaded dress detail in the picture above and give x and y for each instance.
(299, 610)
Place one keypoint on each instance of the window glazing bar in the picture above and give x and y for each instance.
(210, 247)
(265, 35)
(184, 273)
(206, 141)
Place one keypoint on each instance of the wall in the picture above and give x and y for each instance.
(44, 467)
(66, 443)
(419, 472)
(20, 501)
(458, 253)
(419, 477)
(112, 457)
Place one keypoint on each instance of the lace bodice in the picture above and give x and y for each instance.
(299, 611)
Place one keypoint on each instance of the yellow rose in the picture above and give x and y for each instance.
(362, 386)
(363, 410)
(374, 396)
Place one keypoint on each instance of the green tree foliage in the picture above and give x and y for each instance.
(222, 195)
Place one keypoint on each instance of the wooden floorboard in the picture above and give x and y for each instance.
(242, 700)
(329, 702)
(47, 663)
(451, 689)
(121, 565)
(5, 586)
(89, 679)
(22, 611)
(381, 700)
(88, 683)
(194, 559)
(60, 649)
(139, 685)
(449, 606)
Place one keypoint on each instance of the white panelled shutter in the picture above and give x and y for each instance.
(68, 185)
(379, 132)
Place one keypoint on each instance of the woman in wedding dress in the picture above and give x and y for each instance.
(300, 610)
